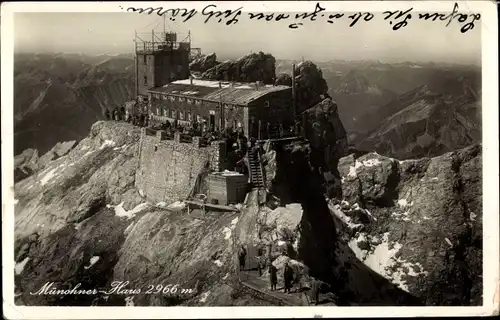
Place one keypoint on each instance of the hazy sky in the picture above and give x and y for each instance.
(97, 33)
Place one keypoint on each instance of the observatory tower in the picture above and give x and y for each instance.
(159, 61)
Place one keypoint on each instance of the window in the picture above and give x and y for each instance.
(157, 111)
(171, 98)
(266, 104)
(145, 59)
(173, 114)
(164, 97)
(198, 102)
(190, 101)
(190, 118)
(145, 80)
(198, 118)
(181, 115)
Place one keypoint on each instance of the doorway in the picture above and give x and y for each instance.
(212, 122)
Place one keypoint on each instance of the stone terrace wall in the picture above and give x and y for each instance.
(168, 168)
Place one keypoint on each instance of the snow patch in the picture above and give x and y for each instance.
(218, 263)
(352, 169)
(162, 204)
(404, 203)
(20, 265)
(107, 143)
(225, 277)
(234, 222)
(404, 216)
(204, 296)
(371, 162)
(85, 148)
(383, 256)
(48, 176)
(227, 233)
(93, 261)
(121, 212)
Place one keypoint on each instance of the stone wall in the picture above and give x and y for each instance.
(168, 169)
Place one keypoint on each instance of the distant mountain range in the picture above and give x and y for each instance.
(59, 96)
(390, 108)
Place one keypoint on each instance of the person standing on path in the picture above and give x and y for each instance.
(242, 254)
(273, 276)
(315, 288)
(287, 276)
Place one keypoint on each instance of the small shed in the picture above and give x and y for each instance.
(227, 187)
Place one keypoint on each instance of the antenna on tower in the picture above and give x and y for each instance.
(164, 24)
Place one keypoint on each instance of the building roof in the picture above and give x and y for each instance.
(233, 93)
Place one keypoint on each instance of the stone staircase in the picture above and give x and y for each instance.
(256, 174)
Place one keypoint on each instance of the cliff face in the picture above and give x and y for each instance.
(417, 223)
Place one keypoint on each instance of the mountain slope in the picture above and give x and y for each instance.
(427, 121)
(57, 95)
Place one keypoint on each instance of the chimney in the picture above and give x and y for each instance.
(220, 84)
(294, 107)
(191, 79)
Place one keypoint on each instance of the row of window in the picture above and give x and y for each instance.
(157, 96)
(186, 116)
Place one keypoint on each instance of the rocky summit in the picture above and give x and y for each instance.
(81, 221)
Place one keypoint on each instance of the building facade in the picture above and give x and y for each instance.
(218, 105)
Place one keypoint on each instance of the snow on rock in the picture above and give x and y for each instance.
(382, 256)
(48, 176)
(404, 216)
(371, 162)
(227, 233)
(106, 144)
(178, 205)
(162, 204)
(204, 296)
(20, 266)
(121, 212)
(234, 222)
(93, 261)
(218, 263)
(225, 277)
(404, 203)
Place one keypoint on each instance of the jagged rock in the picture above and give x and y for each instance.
(328, 141)
(28, 162)
(311, 86)
(284, 79)
(250, 68)
(408, 203)
(203, 63)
